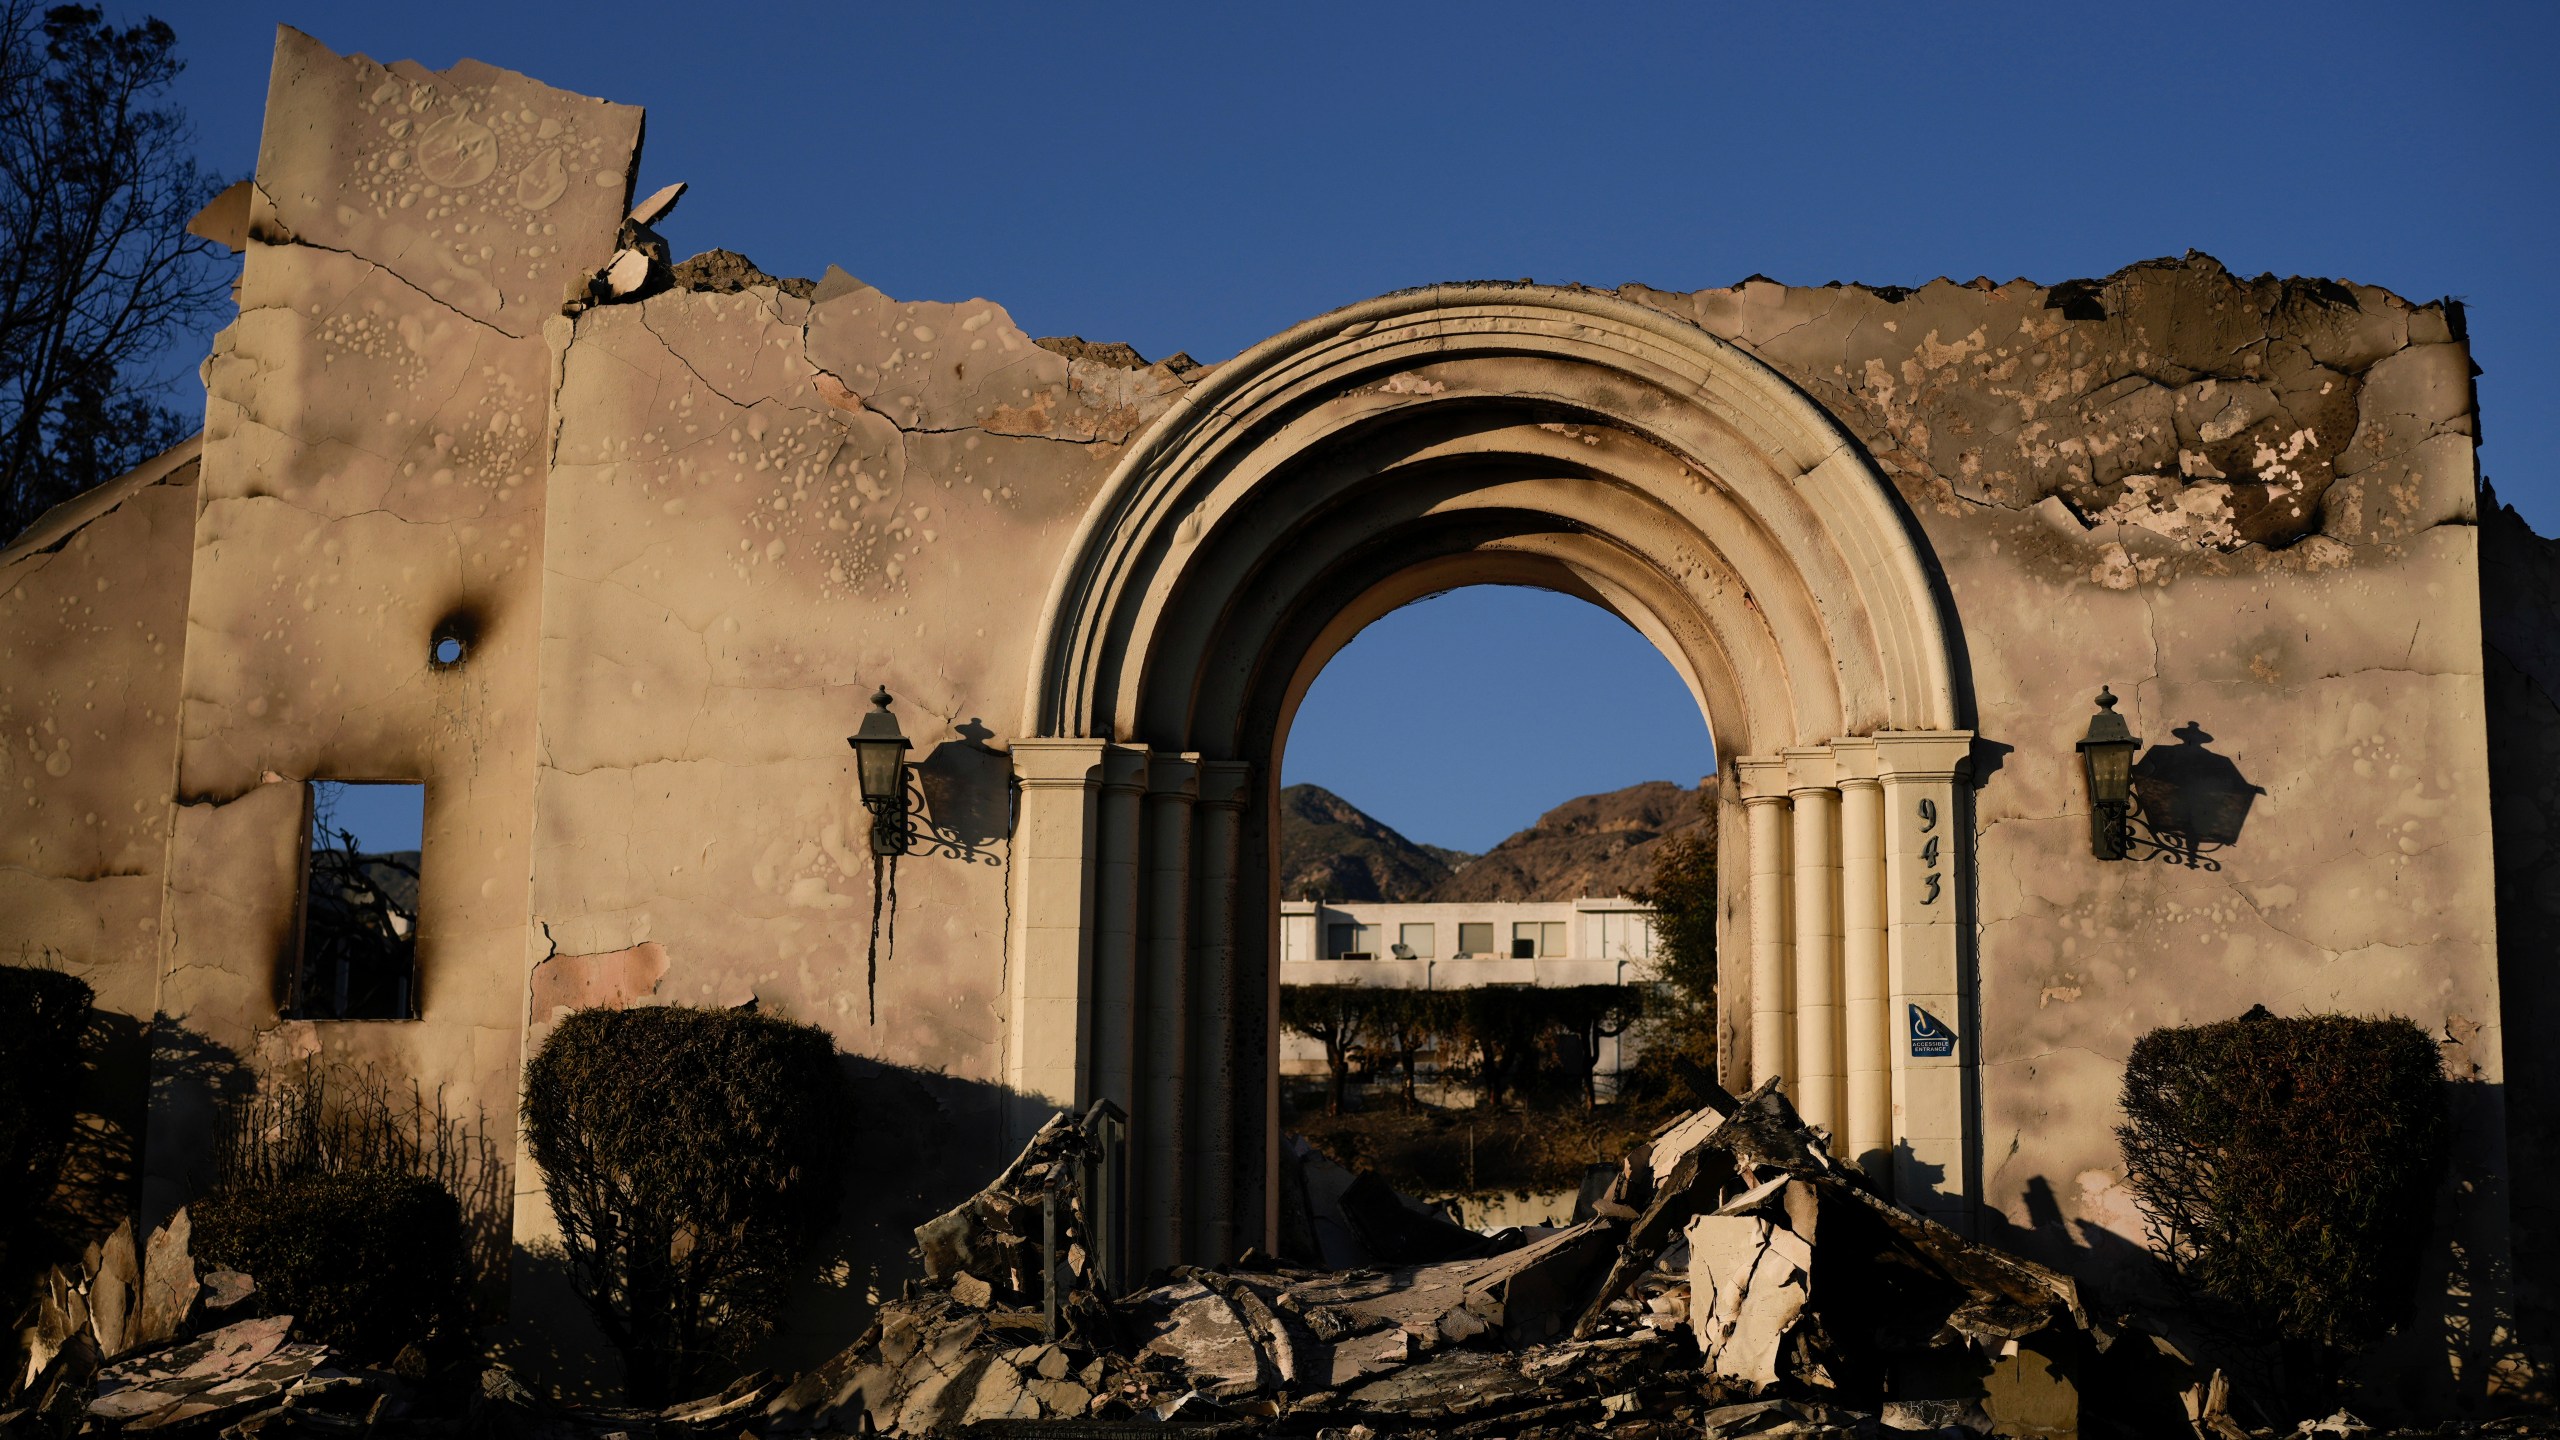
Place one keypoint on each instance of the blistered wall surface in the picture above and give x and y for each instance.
(93, 614)
(373, 460)
(688, 532)
(762, 507)
(93, 611)
(2248, 506)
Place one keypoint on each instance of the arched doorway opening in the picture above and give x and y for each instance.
(1488, 800)
(1472, 435)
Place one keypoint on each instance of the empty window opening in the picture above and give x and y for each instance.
(1416, 823)
(359, 953)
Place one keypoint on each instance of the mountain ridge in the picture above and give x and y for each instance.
(1592, 845)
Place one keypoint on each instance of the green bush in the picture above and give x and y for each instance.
(1678, 1030)
(692, 1158)
(43, 1014)
(2286, 1166)
(365, 1262)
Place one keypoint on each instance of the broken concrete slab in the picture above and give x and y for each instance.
(1757, 1269)
(169, 1283)
(225, 1372)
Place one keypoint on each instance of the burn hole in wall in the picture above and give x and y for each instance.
(361, 849)
(449, 644)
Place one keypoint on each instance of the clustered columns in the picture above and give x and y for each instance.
(1138, 999)
(1856, 852)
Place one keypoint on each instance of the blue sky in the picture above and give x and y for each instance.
(1198, 177)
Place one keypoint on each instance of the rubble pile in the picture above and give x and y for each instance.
(1731, 1278)
(1726, 1279)
(119, 1300)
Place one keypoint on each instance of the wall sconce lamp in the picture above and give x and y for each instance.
(880, 762)
(2106, 755)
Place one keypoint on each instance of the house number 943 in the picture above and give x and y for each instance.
(1930, 876)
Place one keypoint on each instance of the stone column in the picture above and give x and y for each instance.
(1213, 1030)
(1115, 1006)
(1865, 980)
(1164, 1033)
(1764, 803)
(1815, 887)
(1927, 845)
(1045, 1061)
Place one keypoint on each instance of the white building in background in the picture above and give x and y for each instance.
(1456, 945)
(1460, 945)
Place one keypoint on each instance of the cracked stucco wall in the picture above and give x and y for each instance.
(93, 609)
(760, 508)
(690, 532)
(373, 456)
(2248, 506)
(93, 613)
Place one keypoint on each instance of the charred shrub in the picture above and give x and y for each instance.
(43, 1014)
(2286, 1166)
(692, 1161)
(325, 1118)
(365, 1261)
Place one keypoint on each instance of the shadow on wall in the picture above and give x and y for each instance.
(98, 1176)
(2462, 1350)
(196, 1083)
(967, 788)
(921, 1141)
(2193, 798)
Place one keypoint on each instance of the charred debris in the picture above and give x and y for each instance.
(1728, 1278)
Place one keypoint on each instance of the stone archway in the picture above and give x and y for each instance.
(1486, 434)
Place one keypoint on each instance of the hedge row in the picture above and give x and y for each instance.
(1503, 1032)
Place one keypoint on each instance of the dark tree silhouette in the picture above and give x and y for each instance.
(99, 275)
(1337, 1016)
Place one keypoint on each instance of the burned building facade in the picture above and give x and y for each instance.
(609, 554)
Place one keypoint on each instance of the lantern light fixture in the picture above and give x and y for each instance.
(880, 764)
(2106, 758)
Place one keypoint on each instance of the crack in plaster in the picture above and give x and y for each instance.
(382, 267)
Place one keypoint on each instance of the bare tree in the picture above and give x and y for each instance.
(99, 276)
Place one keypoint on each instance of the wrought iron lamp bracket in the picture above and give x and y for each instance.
(2134, 839)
